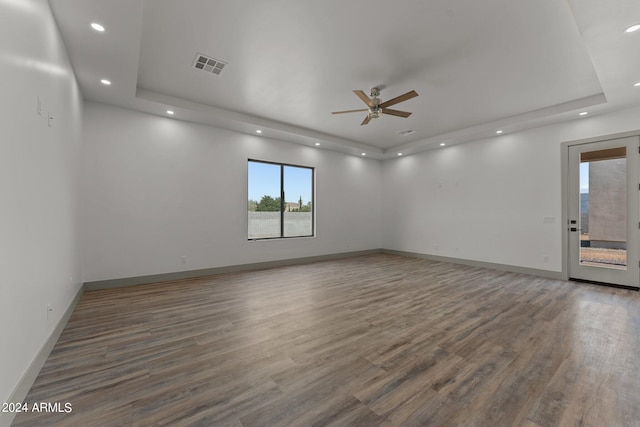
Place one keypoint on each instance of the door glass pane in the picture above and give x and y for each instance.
(603, 208)
(264, 200)
(298, 194)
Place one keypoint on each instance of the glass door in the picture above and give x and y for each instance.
(603, 212)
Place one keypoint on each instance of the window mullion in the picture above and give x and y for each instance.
(282, 201)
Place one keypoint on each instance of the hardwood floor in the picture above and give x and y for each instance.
(373, 340)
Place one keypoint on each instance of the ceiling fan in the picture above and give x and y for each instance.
(376, 109)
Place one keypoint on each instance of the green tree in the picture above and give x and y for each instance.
(269, 204)
(305, 208)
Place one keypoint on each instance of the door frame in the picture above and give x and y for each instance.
(564, 162)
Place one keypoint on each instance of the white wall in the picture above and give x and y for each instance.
(156, 189)
(39, 257)
(487, 200)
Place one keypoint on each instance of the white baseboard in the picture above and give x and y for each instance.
(155, 278)
(555, 275)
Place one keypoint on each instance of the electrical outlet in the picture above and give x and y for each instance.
(184, 259)
(545, 259)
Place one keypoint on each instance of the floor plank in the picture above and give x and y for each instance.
(372, 340)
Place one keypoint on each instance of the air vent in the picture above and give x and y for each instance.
(208, 64)
(406, 132)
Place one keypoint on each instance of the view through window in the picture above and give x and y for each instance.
(280, 200)
(603, 207)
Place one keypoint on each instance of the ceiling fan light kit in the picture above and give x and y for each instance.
(377, 109)
(375, 112)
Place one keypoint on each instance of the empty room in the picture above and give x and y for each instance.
(294, 213)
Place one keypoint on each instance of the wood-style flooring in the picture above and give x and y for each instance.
(372, 340)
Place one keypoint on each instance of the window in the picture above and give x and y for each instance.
(280, 200)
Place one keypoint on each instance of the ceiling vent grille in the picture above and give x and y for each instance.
(406, 132)
(208, 64)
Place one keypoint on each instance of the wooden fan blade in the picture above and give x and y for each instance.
(349, 111)
(366, 120)
(399, 99)
(364, 98)
(395, 112)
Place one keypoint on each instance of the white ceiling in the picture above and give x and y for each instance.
(477, 66)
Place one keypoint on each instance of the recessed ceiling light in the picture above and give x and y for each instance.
(499, 132)
(105, 82)
(363, 154)
(97, 27)
(632, 28)
(442, 144)
(399, 154)
(317, 143)
(584, 113)
(637, 84)
(170, 112)
(258, 131)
